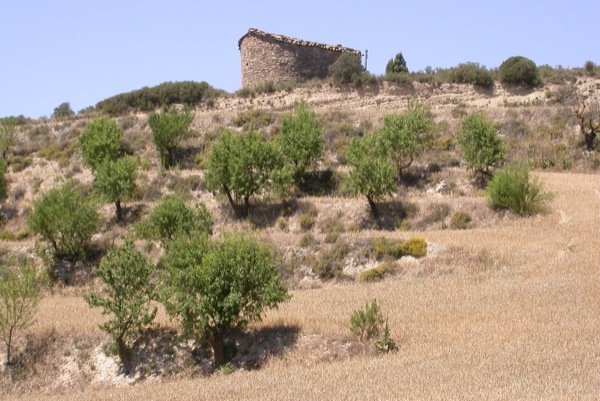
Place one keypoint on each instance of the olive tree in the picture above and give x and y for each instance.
(372, 173)
(66, 220)
(216, 288)
(126, 297)
(396, 65)
(300, 140)
(168, 130)
(102, 139)
(402, 137)
(115, 181)
(19, 297)
(479, 142)
(242, 166)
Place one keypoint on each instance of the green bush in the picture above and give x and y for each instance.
(168, 130)
(329, 263)
(519, 70)
(346, 69)
(63, 111)
(309, 218)
(380, 247)
(472, 73)
(479, 142)
(460, 220)
(376, 273)
(385, 344)
(512, 189)
(253, 119)
(415, 247)
(367, 323)
(102, 139)
(66, 220)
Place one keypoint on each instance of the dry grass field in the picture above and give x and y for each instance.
(507, 309)
(517, 317)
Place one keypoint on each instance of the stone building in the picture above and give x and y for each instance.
(279, 59)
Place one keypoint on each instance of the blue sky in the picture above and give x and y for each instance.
(84, 51)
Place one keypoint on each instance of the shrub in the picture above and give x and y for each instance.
(346, 69)
(460, 220)
(590, 68)
(115, 181)
(102, 139)
(308, 218)
(3, 182)
(380, 247)
(63, 111)
(512, 189)
(253, 119)
(19, 297)
(168, 130)
(480, 144)
(7, 136)
(367, 323)
(66, 220)
(396, 65)
(126, 296)
(172, 218)
(385, 344)
(472, 73)
(307, 240)
(415, 247)
(329, 264)
(519, 70)
(376, 273)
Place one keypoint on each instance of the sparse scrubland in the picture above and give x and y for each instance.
(428, 235)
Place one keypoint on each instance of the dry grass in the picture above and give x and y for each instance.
(502, 312)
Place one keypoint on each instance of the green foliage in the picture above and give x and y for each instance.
(415, 247)
(66, 220)
(480, 144)
(396, 65)
(63, 111)
(19, 297)
(300, 140)
(223, 288)
(519, 70)
(115, 181)
(376, 273)
(172, 217)
(460, 220)
(590, 68)
(346, 69)
(402, 137)
(244, 165)
(253, 119)
(386, 344)
(168, 130)
(7, 137)
(367, 323)
(380, 247)
(126, 297)
(329, 263)
(164, 95)
(512, 189)
(309, 218)
(372, 173)
(3, 183)
(472, 73)
(102, 139)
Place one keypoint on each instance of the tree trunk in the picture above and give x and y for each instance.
(407, 165)
(373, 209)
(216, 343)
(246, 206)
(119, 210)
(124, 355)
(232, 203)
(9, 347)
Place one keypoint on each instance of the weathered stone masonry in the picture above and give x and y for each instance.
(279, 59)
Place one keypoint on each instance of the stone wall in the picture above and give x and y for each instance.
(279, 59)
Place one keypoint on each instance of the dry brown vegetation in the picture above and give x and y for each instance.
(506, 309)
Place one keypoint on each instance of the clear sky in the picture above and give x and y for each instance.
(83, 51)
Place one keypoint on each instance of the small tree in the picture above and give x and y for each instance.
(7, 137)
(244, 165)
(102, 139)
(372, 172)
(168, 130)
(115, 181)
(19, 297)
(300, 140)
(397, 65)
(588, 118)
(65, 219)
(367, 323)
(480, 144)
(63, 111)
(126, 297)
(346, 69)
(519, 70)
(403, 137)
(229, 286)
(172, 217)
